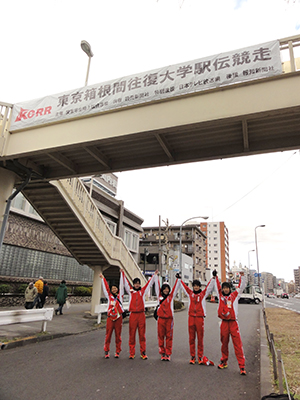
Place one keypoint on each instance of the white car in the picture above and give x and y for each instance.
(297, 296)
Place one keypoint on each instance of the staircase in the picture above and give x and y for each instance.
(70, 212)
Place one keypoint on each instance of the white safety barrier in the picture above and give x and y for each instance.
(24, 316)
(102, 308)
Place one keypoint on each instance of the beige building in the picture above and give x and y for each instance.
(297, 279)
(193, 245)
(217, 247)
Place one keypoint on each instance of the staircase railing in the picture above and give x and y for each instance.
(5, 115)
(113, 247)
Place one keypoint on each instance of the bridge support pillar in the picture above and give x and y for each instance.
(7, 183)
(97, 288)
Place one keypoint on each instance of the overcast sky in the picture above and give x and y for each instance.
(41, 55)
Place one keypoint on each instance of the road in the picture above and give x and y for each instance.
(73, 367)
(291, 304)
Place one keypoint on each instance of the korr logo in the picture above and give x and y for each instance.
(25, 114)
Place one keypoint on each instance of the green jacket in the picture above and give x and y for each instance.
(61, 294)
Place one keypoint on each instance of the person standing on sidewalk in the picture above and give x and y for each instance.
(137, 318)
(30, 295)
(61, 297)
(228, 313)
(114, 314)
(39, 284)
(45, 294)
(197, 313)
(165, 320)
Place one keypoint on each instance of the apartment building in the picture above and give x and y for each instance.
(217, 247)
(165, 244)
(297, 279)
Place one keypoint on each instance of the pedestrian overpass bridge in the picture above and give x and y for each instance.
(247, 118)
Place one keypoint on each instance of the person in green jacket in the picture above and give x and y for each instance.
(61, 296)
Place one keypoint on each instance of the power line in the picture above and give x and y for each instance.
(259, 184)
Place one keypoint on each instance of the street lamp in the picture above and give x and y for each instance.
(249, 265)
(257, 264)
(180, 242)
(86, 47)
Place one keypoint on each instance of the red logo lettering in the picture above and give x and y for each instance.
(25, 114)
(22, 115)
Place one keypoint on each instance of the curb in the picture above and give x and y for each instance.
(265, 371)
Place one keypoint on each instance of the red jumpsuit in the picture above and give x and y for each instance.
(165, 321)
(137, 319)
(197, 312)
(228, 312)
(114, 317)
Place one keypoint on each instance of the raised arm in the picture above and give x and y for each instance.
(105, 286)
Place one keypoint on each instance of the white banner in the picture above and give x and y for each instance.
(246, 64)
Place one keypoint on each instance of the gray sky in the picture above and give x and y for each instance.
(41, 55)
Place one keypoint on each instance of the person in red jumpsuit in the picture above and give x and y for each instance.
(114, 315)
(165, 320)
(137, 318)
(228, 313)
(197, 313)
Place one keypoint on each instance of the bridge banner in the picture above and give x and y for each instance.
(251, 63)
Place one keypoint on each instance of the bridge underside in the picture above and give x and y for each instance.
(250, 118)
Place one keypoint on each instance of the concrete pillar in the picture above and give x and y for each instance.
(97, 288)
(7, 183)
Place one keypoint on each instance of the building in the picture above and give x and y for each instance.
(31, 249)
(160, 247)
(217, 247)
(297, 279)
(267, 282)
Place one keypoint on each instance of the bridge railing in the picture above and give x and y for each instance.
(113, 247)
(289, 45)
(5, 115)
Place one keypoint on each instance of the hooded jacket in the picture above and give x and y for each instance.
(228, 305)
(137, 297)
(30, 294)
(166, 303)
(61, 294)
(197, 301)
(115, 308)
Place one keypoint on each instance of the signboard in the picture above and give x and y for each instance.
(245, 64)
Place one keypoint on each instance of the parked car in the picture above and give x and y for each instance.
(297, 296)
(271, 295)
(284, 295)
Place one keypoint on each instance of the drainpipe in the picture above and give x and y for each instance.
(8, 205)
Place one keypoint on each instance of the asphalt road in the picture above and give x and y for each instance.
(73, 367)
(291, 304)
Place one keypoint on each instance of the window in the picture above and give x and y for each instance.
(19, 202)
(112, 226)
(131, 240)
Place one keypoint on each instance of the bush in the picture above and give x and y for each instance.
(52, 290)
(82, 291)
(178, 305)
(22, 288)
(5, 288)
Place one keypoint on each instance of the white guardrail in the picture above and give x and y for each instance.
(25, 316)
(102, 308)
